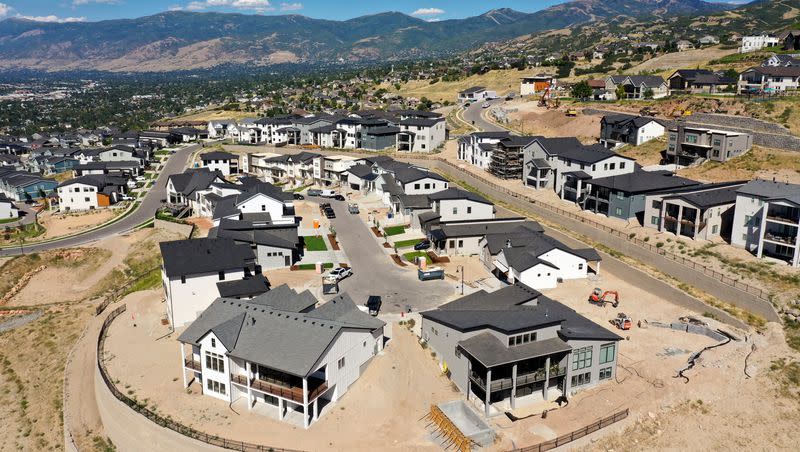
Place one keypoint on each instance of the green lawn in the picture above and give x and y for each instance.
(8, 220)
(325, 265)
(411, 257)
(394, 230)
(314, 243)
(407, 243)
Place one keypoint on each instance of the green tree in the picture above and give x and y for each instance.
(581, 90)
(648, 93)
(620, 92)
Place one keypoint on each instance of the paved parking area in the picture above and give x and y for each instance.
(374, 273)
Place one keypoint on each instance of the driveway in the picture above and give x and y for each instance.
(374, 272)
(146, 210)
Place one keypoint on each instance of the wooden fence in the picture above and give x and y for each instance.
(577, 434)
(693, 264)
(157, 418)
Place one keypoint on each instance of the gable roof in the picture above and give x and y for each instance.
(641, 181)
(206, 255)
(771, 190)
(194, 179)
(247, 287)
(457, 193)
(624, 120)
(218, 155)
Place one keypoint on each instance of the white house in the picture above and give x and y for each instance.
(473, 94)
(621, 129)
(279, 354)
(769, 79)
(536, 84)
(224, 162)
(276, 245)
(90, 192)
(421, 134)
(477, 148)
(7, 208)
(766, 220)
(540, 262)
(455, 204)
(753, 43)
(192, 268)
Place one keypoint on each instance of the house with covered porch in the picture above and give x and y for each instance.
(514, 347)
(278, 355)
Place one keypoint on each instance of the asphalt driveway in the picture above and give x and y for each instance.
(374, 272)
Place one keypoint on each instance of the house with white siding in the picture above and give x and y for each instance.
(8, 211)
(619, 130)
(477, 147)
(249, 199)
(192, 268)
(278, 354)
(515, 347)
(90, 192)
(766, 220)
(275, 245)
(182, 188)
(421, 134)
(769, 79)
(224, 162)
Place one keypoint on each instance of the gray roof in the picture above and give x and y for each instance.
(487, 348)
(247, 287)
(517, 233)
(513, 309)
(473, 89)
(100, 181)
(586, 154)
(194, 179)
(218, 155)
(641, 181)
(361, 171)
(771, 190)
(534, 246)
(289, 341)
(206, 255)
(414, 201)
(471, 228)
(709, 195)
(243, 231)
(457, 193)
(623, 120)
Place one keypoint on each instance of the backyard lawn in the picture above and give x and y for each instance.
(325, 266)
(406, 243)
(394, 230)
(314, 243)
(412, 257)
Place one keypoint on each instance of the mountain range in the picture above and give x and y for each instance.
(179, 40)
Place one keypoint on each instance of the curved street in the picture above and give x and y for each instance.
(474, 115)
(147, 208)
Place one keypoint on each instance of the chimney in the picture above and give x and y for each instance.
(508, 243)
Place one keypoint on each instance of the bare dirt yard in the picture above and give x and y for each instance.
(530, 119)
(58, 224)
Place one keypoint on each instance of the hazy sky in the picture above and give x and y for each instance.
(92, 10)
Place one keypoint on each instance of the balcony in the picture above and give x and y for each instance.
(782, 238)
(292, 393)
(190, 363)
(782, 216)
(522, 378)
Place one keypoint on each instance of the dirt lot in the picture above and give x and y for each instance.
(714, 399)
(65, 224)
(530, 119)
(501, 81)
(666, 64)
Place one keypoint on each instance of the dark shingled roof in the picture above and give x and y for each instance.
(533, 246)
(247, 287)
(471, 228)
(457, 193)
(772, 190)
(709, 196)
(218, 155)
(194, 256)
(487, 348)
(513, 309)
(291, 341)
(644, 181)
(624, 120)
(279, 236)
(194, 179)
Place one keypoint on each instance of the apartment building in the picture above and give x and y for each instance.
(689, 145)
(757, 42)
(277, 352)
(515, 347)
(767, 220)
(507, 157)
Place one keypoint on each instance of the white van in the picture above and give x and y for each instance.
(328, 193)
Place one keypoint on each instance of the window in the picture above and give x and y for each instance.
(620, 195)
(612, 166)
(215, 362)
(580, 267)
(607, 353)
(605, 166)
(469, 209)
(460, 243)
(581, 358)
(341, 362)
(215, 386)
(657, 204)
(416, 186)
(452, 243)
(222, 275)
(263, 208)
(714, 229)
(520, 339)
(691, 139)
(744, 237)
(455, 210)
(581, 379)
(654, 220)
(717, 142)
(605, 373)
(618, 211)
(213, 342)
(183, 279)
(622, 165)
(427, 186)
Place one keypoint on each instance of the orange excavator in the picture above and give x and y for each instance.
(598, 297)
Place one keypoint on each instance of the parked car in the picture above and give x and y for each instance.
(423, 245)
(330, 214)
(314, 192)
(323, 206)
(298, 196)
(126, 198)
(353, 208)
(339, 198)
(140, 179)
(327, 193)
(373, 304)
(486, 105)
(340, 273)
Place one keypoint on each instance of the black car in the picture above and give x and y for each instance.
(324, 206)
(339, 198)
(423, 245)
(299, 196)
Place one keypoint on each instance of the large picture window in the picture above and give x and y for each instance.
(215, 362)
(581, 358)
(215, 386)
(607, 353)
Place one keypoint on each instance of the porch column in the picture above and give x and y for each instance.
(249, 391)
(305, 402)
(563, 184)
(598, 268)
(183, 365)
(762, 228)
(281, 408)
(546, 377)
(662, 215)
(697, 219)
(796, 260)
(578, 192)
(316, 409)
(488, 391)
(514, 386)
(679, 225)
(469, 382)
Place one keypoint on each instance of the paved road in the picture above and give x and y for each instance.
(473, 115)
(374, 273)
(151, 202)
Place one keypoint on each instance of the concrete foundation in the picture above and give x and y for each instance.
(469, 422)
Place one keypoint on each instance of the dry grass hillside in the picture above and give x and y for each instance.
(216, 114)
(501, 81)
(665, 65)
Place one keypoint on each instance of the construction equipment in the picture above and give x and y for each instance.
(572, 112)
(543, 99)
(598, 297)
(622, 321)
(679, 113)
(647, 111)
